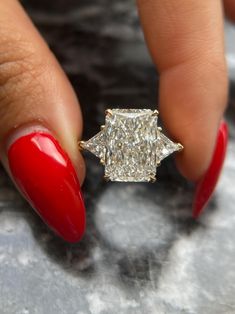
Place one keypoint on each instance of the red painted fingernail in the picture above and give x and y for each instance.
(207, 184)
(46, 177)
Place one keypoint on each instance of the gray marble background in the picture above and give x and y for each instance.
(142, 252)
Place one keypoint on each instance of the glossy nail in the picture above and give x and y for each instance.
(46, 177)
(205, 187)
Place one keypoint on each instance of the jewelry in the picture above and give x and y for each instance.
(130, 145)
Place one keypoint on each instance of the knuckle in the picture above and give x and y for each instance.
(218, 69)
(20, 69)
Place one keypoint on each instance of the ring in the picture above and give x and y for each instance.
(130, 145)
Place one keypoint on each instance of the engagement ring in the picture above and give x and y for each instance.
(130, 145)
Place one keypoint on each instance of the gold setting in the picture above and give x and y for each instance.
(108, 112)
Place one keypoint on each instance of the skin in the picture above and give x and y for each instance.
(186, 42)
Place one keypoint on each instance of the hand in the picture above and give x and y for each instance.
(41, 121)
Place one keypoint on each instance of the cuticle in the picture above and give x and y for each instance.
(39, 124)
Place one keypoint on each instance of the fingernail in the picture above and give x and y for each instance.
(206, 186)
(46, 177)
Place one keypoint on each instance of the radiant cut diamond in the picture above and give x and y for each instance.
(130, 145)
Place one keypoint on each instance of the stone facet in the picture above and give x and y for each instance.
(130, 145)
(96, 145)
(165, 147)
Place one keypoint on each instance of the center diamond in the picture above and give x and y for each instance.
(130, 145)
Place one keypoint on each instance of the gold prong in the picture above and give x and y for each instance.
(152, 179)
(155, 113)
(180, 146)
(108, 112)
(159, 128)
(102, 127)
(106, 178)
(158, 163)
(80, 145)
(102, 161)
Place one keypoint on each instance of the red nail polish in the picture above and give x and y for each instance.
(46, 177)
(207, 184)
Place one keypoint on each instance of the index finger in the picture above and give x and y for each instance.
(185, 39)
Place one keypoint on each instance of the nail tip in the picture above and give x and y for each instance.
(73, 240)
(206, 186)
(76, 233)
(197, 212)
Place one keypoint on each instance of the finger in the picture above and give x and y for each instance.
(40, 125)
(185, 39)
(229, 6)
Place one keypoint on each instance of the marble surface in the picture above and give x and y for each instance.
(142, 252)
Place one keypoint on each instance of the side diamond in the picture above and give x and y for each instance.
(96, 145)
(165, 147)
